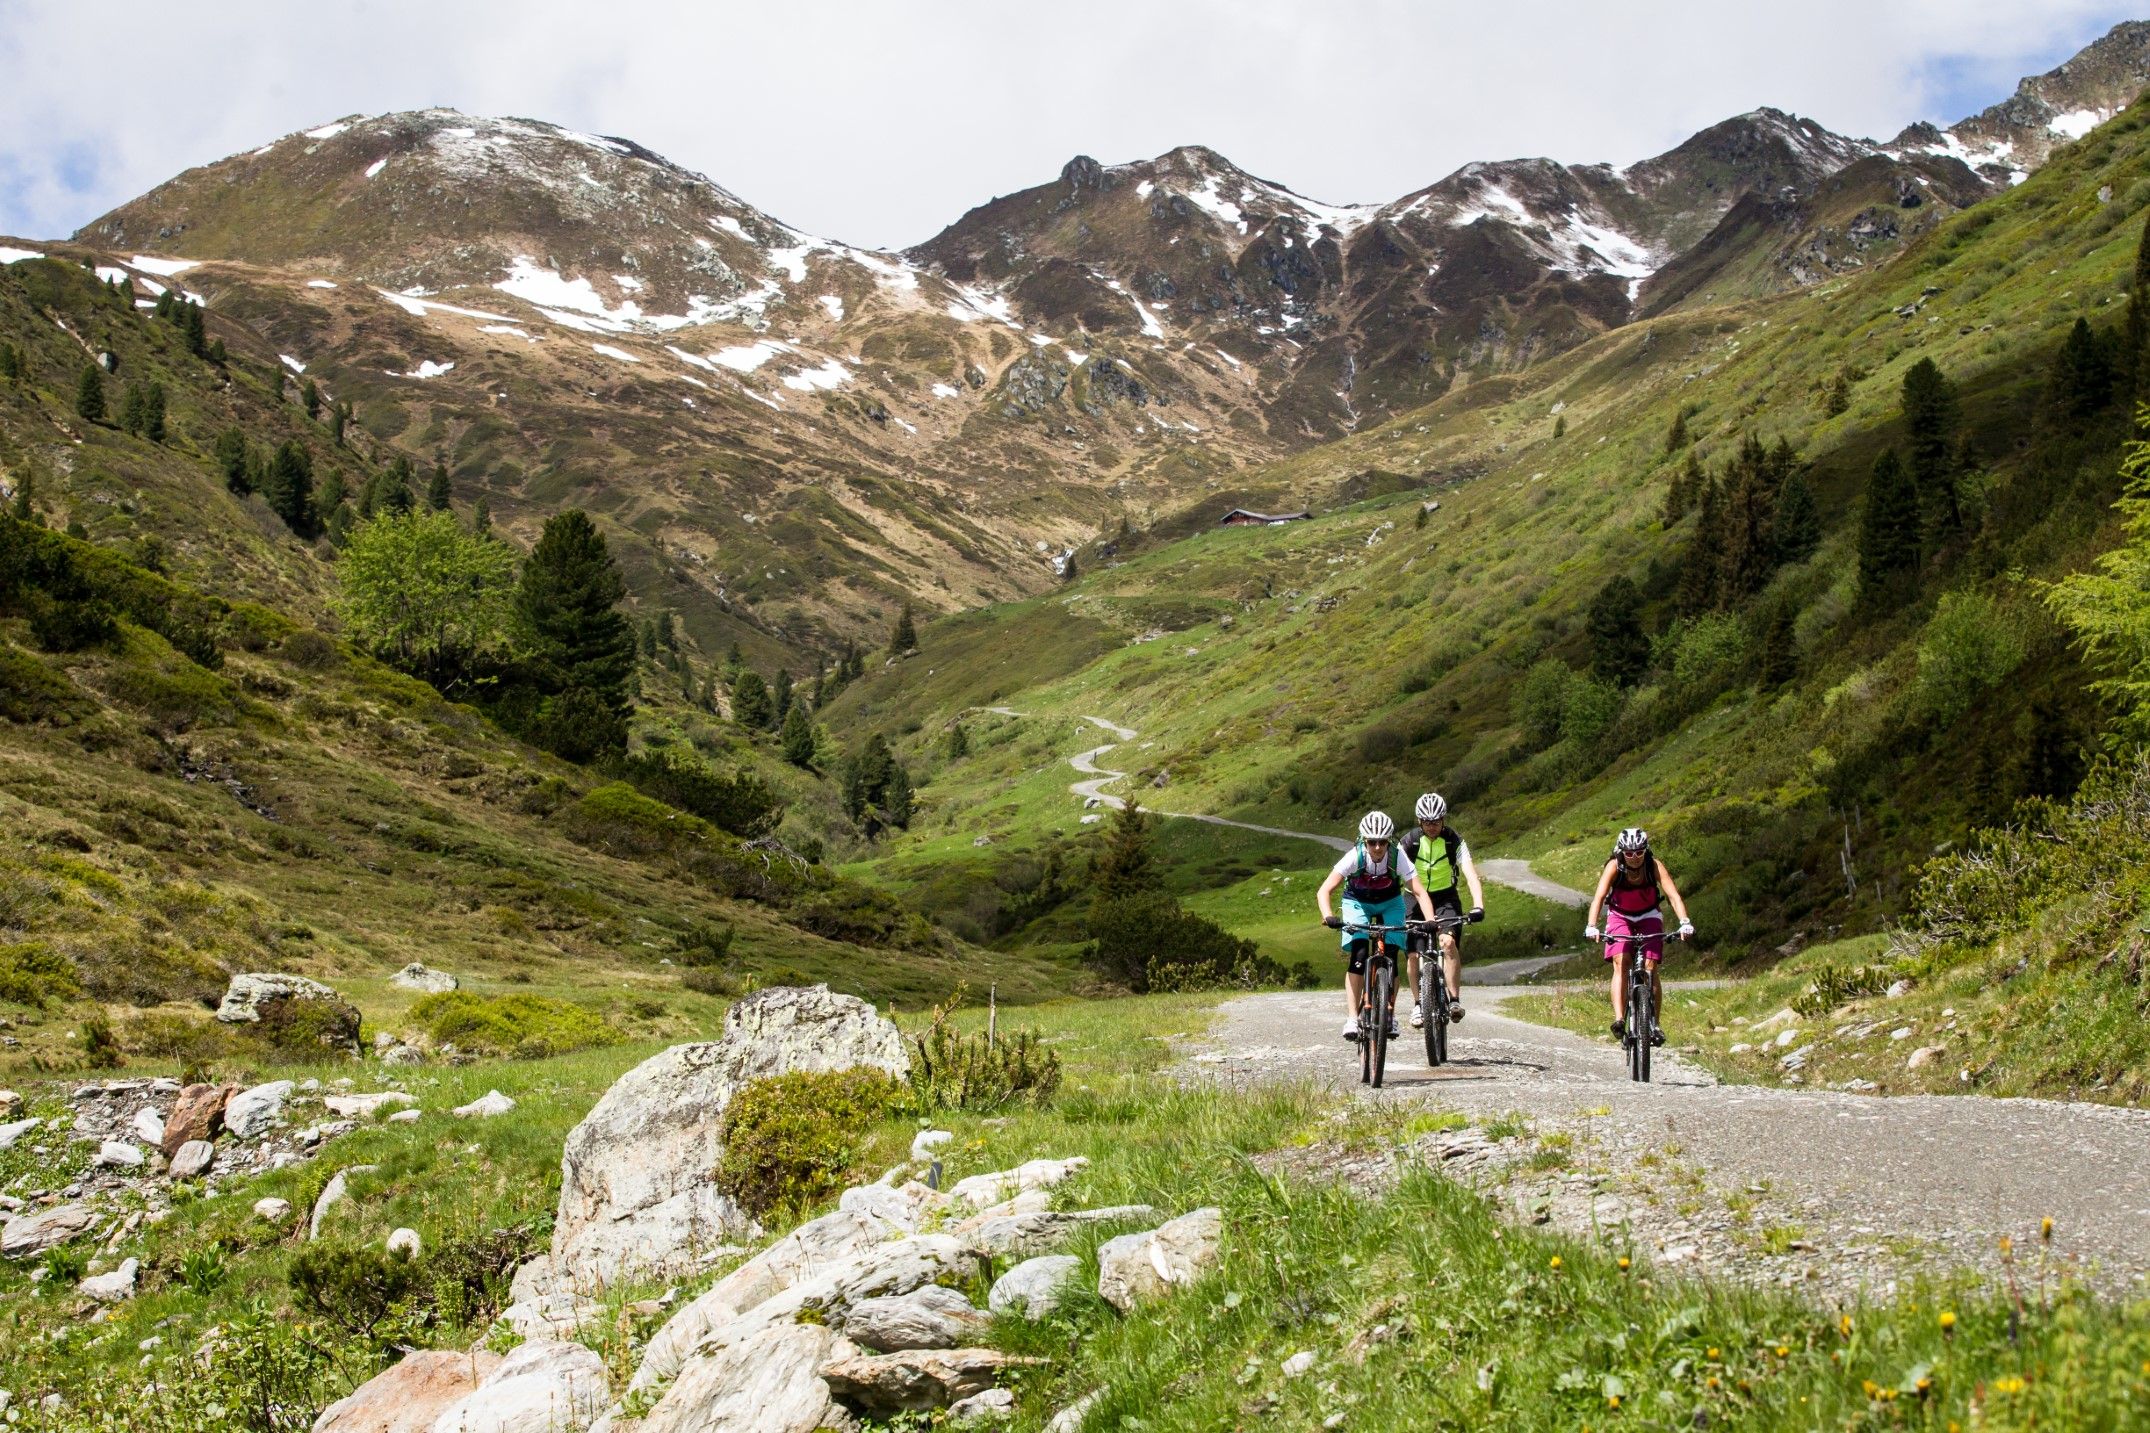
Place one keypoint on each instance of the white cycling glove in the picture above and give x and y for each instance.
(1687, 930)
(1590, 932)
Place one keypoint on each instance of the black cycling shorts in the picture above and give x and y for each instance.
(1445, 903)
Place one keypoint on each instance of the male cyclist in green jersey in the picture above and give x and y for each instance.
(1441, 857)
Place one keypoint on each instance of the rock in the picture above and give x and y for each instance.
(768, 1383)
(9, 1133)
(115, 1287)
(405, 1117)
(1032, 1288)
(925, 1142)
(1030, 1201)
(1069, 1419)
(995, 1405)
(403, 1055)
(1020, 1235)
(10, 1104)
(405, 1244)
(1899, 989)
(198, 1113)
(118, 1154)
(193, 1159)
(1298, 1365)
(148, 1127)
(980, 1190)
(902, 1206)
(332, 1195)
(1923, 1056)
(638, 1184)
(1740, 1048)
(292, 1002)
(250, 1113)
(416, 976)
(1901, 1032)
(930, 1317)
(365, 1107)
(272, 1209)
(918, 1380)
(1135, 1267)
(487, 1106)
(559, 1315)
(543, 1386)
(1786, 1037)
(410, 1395)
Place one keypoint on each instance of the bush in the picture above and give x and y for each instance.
(954, 1071)
(1835, 985)
(1968, 647)
(790, 1139)
(32, 973)
(1542, 701)
(528, 1027)
(1148, 941)
(355, 1287)
(709, 980)
(1705, 655)
(706, 944)
(741, 803)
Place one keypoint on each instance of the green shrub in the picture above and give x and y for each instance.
(741, 803)
(1148, 941)
(65, 1264)
(1968, 647)
(710, 980)
(790, 1140)
(706, 944)
(529, 1027)
(1834, 985)
(1542, 701)
(203, 1270)
(32, 973)
(31, 691)
(355, 1287)
(100, 1047)
(954, 1071)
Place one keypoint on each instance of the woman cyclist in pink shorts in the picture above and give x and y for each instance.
(1631, 889)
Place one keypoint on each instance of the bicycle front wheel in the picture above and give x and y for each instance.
(1641, 1018)
(1433, 1003)
(1377, 1040)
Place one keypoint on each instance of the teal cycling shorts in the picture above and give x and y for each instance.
(1388, 913)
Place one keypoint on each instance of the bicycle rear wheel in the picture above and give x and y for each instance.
(1641, 1019)
(1433, 1003)
(1377, 1040)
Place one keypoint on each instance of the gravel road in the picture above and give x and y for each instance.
(1869, 1184)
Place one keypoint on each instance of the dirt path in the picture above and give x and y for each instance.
(1806, 1187)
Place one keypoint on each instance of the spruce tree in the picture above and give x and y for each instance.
(905, 637)
(290, 488)
(1125, 863)
(1676, 435)
(10, 362)
(236, 462)
(197, 336)
(2052, 754)
(339, 416)
(1619, 652)
(131, 409)
(1799, 522)
(780, 695)
(310, 398)
(1702, 564)
(1838, 399)
(440, 493)
(647, 638)
(958, 745)
(1889, 534)
(1748, 551)
(2134, 359)
(1780, 647)
(1930, 433)
(2081, 383)
(90, 394)
(1684, 490)
(1560, 427)
(19, 506)
(567, 617)
(751, 707)
(481, 516)
(153, 413)
(797, 737)
(1067, 569)
(897, 800)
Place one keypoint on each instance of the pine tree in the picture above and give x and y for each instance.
(1619, 652)
(197, 335)
(2134, 360)
(440, 493)
(1560, 427)
(232, 456)
(310, 398)
(1067, 569)
(10, 362)
(131, 409)
(2081, 383)
(481, 516)
(1780, 647)
(153, 413)
(646, 638)
(1799, 522)
(290, 488)
(1747, 554)
(1703, 562)
(216, 353)
(905, 637)
(90, 394)
(19, 506)
(1125, 863)
(2052, 754)
(339, 416)
(797, 737)
(1889, 534)
(958, 745)
(751, 707)
(897, 800)
(1930, 433)
(1838, 400)
(572, 633)
(780, 696)
(163, 309)
(1684, 490)
(1676, 435)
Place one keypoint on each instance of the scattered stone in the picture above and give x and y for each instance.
(403, 1055)
(1298, 1365)
(1899, 989)
(1034, 1287)
(917, 1380)
(928, 1140)
(1901, 1032)
(9, 1133)
(251, 1113)
(292, 1001)
(1740, 1048)
(1786, 1037)
(148, 1127)
(638, 1184)
(1020, 1235)
(1923, 1056)
(489, 1105)
(10, 1104)
(405, 1244)
(405, 1117)
(981, 1190)
(416, 976)
(410, 1395)
(272, 1209)
(930, 1317)
(558, 1315)
(365, 1107)
(769, 1382)
(1135, 1267)
(193, 1159)
(334, 1194)
(1069, 1419)
(995, 1405)
(198, 1113)
(543, 1386)
(115, 1287)
(118, 1154)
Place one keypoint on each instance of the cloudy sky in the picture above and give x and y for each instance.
(880, 123)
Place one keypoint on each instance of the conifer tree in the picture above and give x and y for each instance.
(2134, 358)
(1067, 569)
(751, 707)
(19, 506)
(131, 409)
(1799, 523)
(1748, 548)
(898, 800)
(905, 637)
(290, 488)
(440, 493)
(780, 696)
(2081, 383)
(1780, 647)
(1838, 399)
(90, 394)
(163, 309)
(571, 630)
(310, 398)
(2052, 754)
(1930, 433)
(1684, 489)
(153, 413)
(646, 638)
(1889, 533)
(197, 335)
(232, 456)
(481, 516)
(733, 657)
(668, 629)
(1676, 435)
(796, 740)
(958, 745)
(10, 362)
(1619, 652)
(1702, 565)
(216, 353)
(1560, 427)
(1125, 864)
(339, 416)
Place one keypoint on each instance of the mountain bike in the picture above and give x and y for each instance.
(1641, 1010)
(1433, 997)
(1379, 1006)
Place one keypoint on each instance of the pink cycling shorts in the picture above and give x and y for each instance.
(1620, 927)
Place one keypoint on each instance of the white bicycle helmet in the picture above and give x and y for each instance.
(1634, 838)
(1376, 826)
(1432, 807)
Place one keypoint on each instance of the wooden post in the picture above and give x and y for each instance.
(992, 1013)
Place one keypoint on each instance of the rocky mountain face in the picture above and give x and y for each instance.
(799, 433)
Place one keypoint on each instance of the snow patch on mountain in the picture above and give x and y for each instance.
(426, 368)
(16, 256)
(620, 353)
(150, 264)
(831, 374)
(2077, 123)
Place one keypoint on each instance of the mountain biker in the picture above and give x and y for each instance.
(1440, 856)
(1375, 875)
(1632, 888)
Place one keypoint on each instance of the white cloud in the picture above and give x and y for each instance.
(879, 123)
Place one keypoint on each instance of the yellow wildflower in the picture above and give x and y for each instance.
(2045, 1228)
(1556, 1261)
(1948, 1320)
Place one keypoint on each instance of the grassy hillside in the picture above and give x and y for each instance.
(1294, 675)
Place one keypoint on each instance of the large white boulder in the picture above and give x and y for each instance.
(768, 1383)
(409, 1395)
(637, 1176)
(543, 1386)
(26, 1235)
(111, 1288)
(251, 1113)
(295, 1003)
(917, 1380)
(928, 1317)
(1136, 1267)
(416, 976)
(1033, 1288)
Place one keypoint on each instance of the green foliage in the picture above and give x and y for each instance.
(1705, 655)
(796, 741)
(289, 488)
(425, 595)
(1542, 701)
(751, 707)
(2081, 381)
(1836, 984)
(790, 1140)
(1676, 435)
(905, 636)
(1125, 861)
(1588, 710)
(203, 1270)
(705, 944)
(1838, 399)
(2108, 611)
(33, 974)
(1967, 649)
(577, 643)
(1930, 434)
(65, 1264)
(90, 394)
(440, 492)
(956, 745)
(951, 1070)
(1148, 942)
(1619, 652)
(1889, 534)
(869, 780)
(741, 803)
(100, 1046)
(1779, 661)
(527, 1027)
(1798, 527)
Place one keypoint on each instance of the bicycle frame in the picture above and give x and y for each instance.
(1377, 999)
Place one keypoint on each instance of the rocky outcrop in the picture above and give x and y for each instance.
(931, 1317)
(767, 1383)
(252, 1113)
(410, 1396)
(917, 1380)
(637, 1179)
(417, 976)
(28, 1235)
(193, 1159)
(296, 1009)
(112, 1288)
(543, 1386)
(1136, 1267)
(365, 1107)
(1033, 1288)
